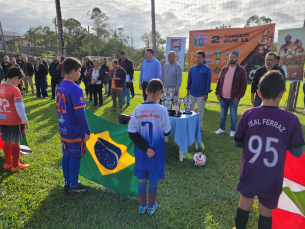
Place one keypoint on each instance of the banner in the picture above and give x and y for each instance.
(176, 44)
(251, 43)
(291, 51)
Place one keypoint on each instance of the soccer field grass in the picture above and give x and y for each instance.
(189, 196)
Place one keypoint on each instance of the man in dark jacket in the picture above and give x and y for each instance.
(1, 74)
(231, 87)
(55, 75)
(20, 60)
(6, 65)
(28, 72)
(125, 63)
(45, 64)
(106, 81)
(118, 77)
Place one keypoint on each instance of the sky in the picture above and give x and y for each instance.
(173, 18)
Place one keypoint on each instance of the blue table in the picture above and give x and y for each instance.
(186, 130)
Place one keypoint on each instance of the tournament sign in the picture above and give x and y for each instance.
(291, 51)
(176, 44)
(251, 43)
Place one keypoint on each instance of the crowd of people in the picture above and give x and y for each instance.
(260, 126)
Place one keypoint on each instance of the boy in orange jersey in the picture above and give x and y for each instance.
(13, 120)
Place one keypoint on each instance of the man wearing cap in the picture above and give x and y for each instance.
(125, 63)
(150, 69)
(171, 76)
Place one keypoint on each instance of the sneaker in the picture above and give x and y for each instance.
(151, 211)
(46, 97)
(37, 97)
(127, 104)
(78, 190)
(52, 98)
(232, 134)
(7, 166)
(33, 92)
(19, 167)
(143, 210)
(220, 131)
(66, 188)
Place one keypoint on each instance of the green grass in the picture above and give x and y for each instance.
(189, 197)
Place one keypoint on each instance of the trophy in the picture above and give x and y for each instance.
(168, 96)
(177, 102)
(187, 104)
(162, 100)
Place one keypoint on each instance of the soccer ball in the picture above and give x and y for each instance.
(199, 159)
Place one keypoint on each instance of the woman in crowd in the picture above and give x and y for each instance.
(87, 79)
(96, 76)
(6, 65)
(14, 63)
(83, 77)
(40, 72)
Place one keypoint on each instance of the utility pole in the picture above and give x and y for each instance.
(131, 46)
(4, 43)
(60, 28)
(293, 93)
(89, 42)
(153, 26)
(56, 36)
(114, 42)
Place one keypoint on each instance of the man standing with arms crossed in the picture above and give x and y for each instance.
(171, 76)
(231, 87)
(150, 69)
(199, 84)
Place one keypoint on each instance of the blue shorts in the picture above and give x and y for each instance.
(268, 202)
(150, 175)
(75, 149)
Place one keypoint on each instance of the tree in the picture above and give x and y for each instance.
(147, 39)
(254, 20)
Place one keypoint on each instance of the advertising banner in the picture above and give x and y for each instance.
(176, 44)
(290, 49)
(251, 44)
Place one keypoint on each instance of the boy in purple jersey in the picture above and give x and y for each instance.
(147, 127)
(73, 125)
(265, 133)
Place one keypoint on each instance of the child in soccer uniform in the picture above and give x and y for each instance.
(73, 125)
(147, 127)
(265, 133)
(13, 120)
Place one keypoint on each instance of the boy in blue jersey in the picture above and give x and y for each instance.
(147, 127)
(265, 133)
(73, 125)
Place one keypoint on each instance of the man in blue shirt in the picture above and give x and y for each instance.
(150, 69)
(199, 84)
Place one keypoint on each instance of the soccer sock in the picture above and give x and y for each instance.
(74, 170)
(152, 193)
(7, 153)
(65, 168)
(142, 186)
(241, 219)
(264, 222)
(15, 149)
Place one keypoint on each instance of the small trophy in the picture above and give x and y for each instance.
(177, 102)
(187, 104)
(168, 96)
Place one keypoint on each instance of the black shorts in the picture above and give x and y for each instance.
(12, 133)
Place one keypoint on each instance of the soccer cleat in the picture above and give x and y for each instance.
(143, 210)
(220, 131)
(66, 188)
(151, 211)
(232, 134)
(78, 190)
(7, 166)
(19, 167)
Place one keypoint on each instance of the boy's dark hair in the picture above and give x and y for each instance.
(235, 54)
(200, 52)
(90, 62)
(150, 50)
(70, 64)
(271, 84)
(115, 61)
(14, 71)
(154, 85)
(278, 57)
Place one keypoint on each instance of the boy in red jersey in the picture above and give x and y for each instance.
(13, 120)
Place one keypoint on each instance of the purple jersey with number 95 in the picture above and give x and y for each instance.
(267, 132)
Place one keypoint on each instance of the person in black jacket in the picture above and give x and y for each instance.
(1, 74)
(106, 78)
(6, 65)
(83, 77)
(118, 77)
(45, 64)
(125, 63)
(55, 75)
(40, 78)
(28, 72)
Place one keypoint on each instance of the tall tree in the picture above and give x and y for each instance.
(255, 20)
(147, 39)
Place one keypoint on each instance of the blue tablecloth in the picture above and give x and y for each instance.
(186, 130)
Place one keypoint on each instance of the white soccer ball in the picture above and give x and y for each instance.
(199, 159)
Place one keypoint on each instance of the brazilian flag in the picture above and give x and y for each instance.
(109, 158)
